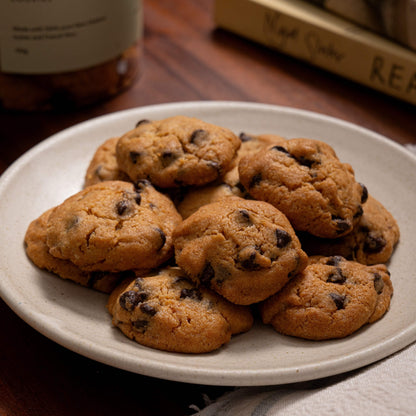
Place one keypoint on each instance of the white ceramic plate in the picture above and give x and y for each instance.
(76, 318)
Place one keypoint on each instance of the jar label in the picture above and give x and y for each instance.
(51, 36)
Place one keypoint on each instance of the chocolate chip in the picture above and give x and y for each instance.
(140, 325)
(122, 207)
(339, 300)
(249, 263)
(191, 293)
(283, 238)
(244, 217)
(255, 180)
(378, 283)
(244, 137)
(207, 274)
(197, 136)
(134, 157)
(222, 273)
(302, 160)
(240, 187)
(341, 224)
(247, 257)
(130, 299)
(336, 276)
(168, 157)
(334, 260)
(359, 212)
(281, 149)
(139, 186)
(364, 195)
(162, 237)
(140, 122)
(148, 309)
(374, 243)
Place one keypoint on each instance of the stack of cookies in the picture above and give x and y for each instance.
(191, 230)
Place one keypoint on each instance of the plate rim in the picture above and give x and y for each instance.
(203, 376)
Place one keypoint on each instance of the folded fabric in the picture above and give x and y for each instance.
(385, 388)
(393, 18)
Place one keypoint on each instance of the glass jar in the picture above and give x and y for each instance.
(58, 54)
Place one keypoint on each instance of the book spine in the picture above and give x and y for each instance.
(347, 51)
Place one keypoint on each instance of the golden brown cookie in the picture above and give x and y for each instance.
(177, 151)
(103, 165)
(244, 250)
(250, 144)
(38, 251)
(372, 240)
(384, 289)
(196, 198)
(331, 298)
(167, 312)
(306, 181)
(230, 184)
(113, 226)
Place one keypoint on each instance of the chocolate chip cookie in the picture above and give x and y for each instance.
(103, 165)
(38, 251)
(230, 184)
(196, 198)
(250, 144)
(306, 181)
(177, 151)
(331, 298)
(244, 250)
(384, 289)
(167, 312)
(372, 240)
(113, 226)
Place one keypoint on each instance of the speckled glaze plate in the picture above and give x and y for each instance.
(76, 318)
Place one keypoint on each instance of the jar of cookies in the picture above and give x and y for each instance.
(63, 54)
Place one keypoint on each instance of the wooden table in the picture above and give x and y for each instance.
(185, 58)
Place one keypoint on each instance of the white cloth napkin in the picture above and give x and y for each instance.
(387, 387)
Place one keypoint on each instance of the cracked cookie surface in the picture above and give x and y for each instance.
(306, 181)
(177, 151)
(168, 312)
(331, 298)
(244, 250)
(113, 226)
(38, 251)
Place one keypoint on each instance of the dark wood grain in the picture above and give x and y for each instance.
(185, 58)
